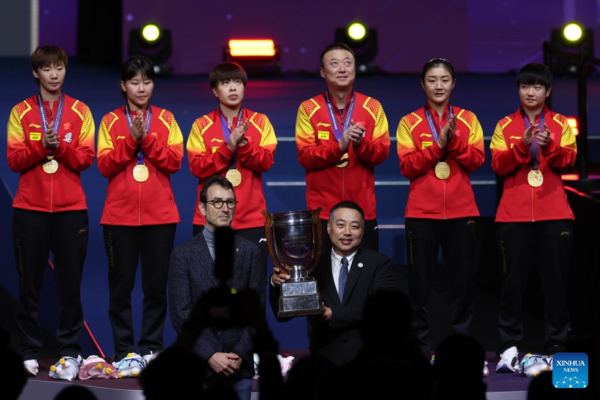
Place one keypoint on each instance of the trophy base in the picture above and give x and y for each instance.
(299, 299)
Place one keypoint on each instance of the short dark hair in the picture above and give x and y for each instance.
(437, 62)
(137, 64)
(348, 204)
(214, 180)
(227, 70)
(335, 46)
(534, 74)
(45, 56)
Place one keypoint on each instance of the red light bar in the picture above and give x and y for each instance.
(251, 48)
(574, 124)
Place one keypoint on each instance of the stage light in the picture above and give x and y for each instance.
(251, 48)
(151, 32)
(256, 56)
(357, 31)
(574, 124)
(363, 42)
(154, 43)
(572, 38)
(573, 32)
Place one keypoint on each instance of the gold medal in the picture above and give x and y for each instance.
(343, 161)
(50, 167)
(442, 170)
(535, 178)
(234, 176)
(141, 173)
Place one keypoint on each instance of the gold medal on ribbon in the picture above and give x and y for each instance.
(343, 161)
(141, 173)
(442, 170)
(234, 176)
(535, 178)
(50, 167)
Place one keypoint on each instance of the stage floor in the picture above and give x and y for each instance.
(42, 387)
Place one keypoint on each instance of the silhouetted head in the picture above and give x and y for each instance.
(75, 392)
(305, 378)
(386, 318)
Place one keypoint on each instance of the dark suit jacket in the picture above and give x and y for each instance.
(339, 339)
(191, 274)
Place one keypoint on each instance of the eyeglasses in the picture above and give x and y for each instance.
(218, 203)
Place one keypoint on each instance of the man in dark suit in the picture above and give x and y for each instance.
(346, 278)
(228, 352)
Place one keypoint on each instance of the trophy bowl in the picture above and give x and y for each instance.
(294, 242)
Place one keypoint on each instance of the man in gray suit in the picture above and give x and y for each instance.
(228, 352)
(347, 276)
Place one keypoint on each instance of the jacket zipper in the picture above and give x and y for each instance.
(444, 199)
(532, 199)
(344, 182)
(140, 204)
(52, 193)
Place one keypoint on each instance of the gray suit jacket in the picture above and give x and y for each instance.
(191, 274)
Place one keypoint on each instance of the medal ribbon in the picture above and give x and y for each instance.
(534, 150)
(227, 132)
(337, 130)
(57, 117)
(433, 127)
(140, 155)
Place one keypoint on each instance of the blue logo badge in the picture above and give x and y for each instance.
(570, 370)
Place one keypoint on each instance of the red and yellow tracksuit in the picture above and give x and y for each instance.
(208, 155)
(534, 225)
(329, 179)
(440, 212)
(132, 203)
(139, 221)
(50, 216)
(430, 197)
(511, 159)
(37, 190)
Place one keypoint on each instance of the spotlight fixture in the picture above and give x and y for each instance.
(363, 42)
(357, 31)
(572, 38)
(573, 32)
(256, 56)
(153, 42)
(151, 32)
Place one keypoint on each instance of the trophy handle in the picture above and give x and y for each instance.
(317, 218)
(268, 225)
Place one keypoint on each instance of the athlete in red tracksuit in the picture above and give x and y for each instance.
(50, 141)
(341, 135)
(239, 144)
(439, 145)
(139, 147)
(530, 149)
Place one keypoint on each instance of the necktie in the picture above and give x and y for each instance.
(343, 278)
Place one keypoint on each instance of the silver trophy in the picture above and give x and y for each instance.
(294, 240)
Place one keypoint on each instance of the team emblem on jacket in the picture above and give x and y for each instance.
(68, 137)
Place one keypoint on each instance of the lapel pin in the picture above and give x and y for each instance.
(360, 265)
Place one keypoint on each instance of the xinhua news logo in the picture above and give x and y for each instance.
(570, 370)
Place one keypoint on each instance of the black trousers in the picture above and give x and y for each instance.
(35, 235)
(124, 246)
(369, 241)
(458, 239)
(255, 235)
(546, 245)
